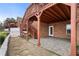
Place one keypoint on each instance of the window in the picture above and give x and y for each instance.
(68, 30)
(51, 30)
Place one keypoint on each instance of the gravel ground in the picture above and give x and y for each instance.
(59, 46)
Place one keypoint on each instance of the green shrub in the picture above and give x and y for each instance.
(3, 34)
(1, 39)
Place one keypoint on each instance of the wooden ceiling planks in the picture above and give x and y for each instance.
(68, 11)
(46, 18)
(64, 10)
(50, 14)
(58, 12)
(55, 13)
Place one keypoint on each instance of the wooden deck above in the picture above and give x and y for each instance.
(56, 13)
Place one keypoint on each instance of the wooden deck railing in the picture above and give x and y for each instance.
(34, 8)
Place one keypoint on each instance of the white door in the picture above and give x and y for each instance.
(51, 31)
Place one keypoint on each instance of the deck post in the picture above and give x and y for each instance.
(33, 35)
(38, 31)
(27, 28)
(20, 29)
(73, 29)
(38, 15)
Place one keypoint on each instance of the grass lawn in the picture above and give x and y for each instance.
(3, 34)
(0, 45)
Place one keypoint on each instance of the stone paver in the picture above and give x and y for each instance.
(59, 46)
(21, 47)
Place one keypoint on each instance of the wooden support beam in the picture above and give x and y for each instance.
(38, 31)
(38, 15)
(73, 29)
(52, 4)
(27, 25)
(33, 35)
(48, 6)
(69, 4)
(20, 29)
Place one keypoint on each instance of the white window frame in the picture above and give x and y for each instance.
(66, 28)
(52, 30)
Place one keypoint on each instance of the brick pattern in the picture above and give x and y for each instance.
(59, 29)
(43, 28)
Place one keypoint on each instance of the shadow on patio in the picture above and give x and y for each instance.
(59, 46)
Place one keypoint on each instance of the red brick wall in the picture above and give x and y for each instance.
(59, 29)
(43, 28)
(34, 24)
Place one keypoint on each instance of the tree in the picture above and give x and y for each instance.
(1, 26)
(19, 18)
(8, 21)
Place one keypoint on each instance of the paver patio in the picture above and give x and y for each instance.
(21, 47)
(59, 46)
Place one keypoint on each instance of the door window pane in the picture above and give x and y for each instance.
(50, 30)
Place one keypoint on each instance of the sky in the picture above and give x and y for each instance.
(12, 10)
